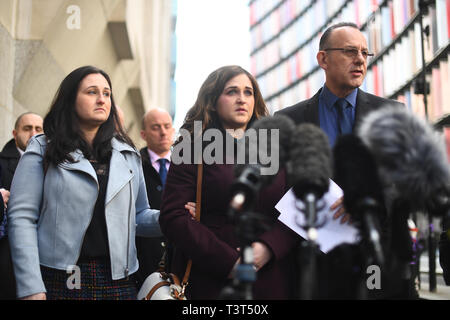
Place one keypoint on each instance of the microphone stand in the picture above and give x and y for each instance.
(400, 251)
(245, 274)
(372, 249)
(241, 287)
(247, 221)
(370, 209)
(423, 87)
(309, 248)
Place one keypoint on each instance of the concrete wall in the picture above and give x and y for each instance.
(41, 41)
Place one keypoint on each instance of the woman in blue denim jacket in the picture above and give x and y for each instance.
(78, 199)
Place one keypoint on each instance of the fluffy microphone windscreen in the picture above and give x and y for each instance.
(410, 154)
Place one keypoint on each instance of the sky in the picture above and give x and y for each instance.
(210, 34)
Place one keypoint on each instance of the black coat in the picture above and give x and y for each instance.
(149, 250)
(2, 209)
(212, 243)
(9, 158)
(2, 205)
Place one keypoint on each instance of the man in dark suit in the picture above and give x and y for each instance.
(338, 108)
(4, 197)
(7, 281)
(343, 55)
(27, 125)
(158, 132)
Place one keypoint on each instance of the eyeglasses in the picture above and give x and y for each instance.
(352, 52)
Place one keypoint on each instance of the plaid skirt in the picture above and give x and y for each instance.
(94, 283)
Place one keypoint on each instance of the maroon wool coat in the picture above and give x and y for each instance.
(212, 243)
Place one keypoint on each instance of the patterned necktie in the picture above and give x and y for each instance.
(344, 117)
(162, 170)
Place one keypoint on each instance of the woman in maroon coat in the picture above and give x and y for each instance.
(228, 100)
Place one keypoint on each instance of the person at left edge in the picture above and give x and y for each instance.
(4, 197)
(2, 203)
(7, 281)
(26, 125)
(78, 198)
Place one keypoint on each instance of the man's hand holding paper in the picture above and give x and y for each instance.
(331, 232)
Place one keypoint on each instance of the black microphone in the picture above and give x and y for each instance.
(309, 171)
(309, 168)
(251, 177)
(357, 174)
(267, 135)
(410, 155)
(246, 185)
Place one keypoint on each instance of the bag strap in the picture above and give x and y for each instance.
(167, 280)
(198, 200)
(198, 207)
(162, 262)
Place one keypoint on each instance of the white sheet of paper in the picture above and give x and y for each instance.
(332, 233)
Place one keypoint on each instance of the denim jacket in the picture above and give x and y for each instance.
(48, 214)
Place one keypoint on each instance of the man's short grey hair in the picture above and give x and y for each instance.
(326, 35)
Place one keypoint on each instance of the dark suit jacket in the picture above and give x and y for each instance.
(149, 250)
(308, 110)
(2, 205)
(212, 243)
(9, 158)
(2, 208)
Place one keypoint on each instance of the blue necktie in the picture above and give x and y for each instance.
(344, 117)
(162, 170)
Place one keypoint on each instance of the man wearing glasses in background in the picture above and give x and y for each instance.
(339, 104)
